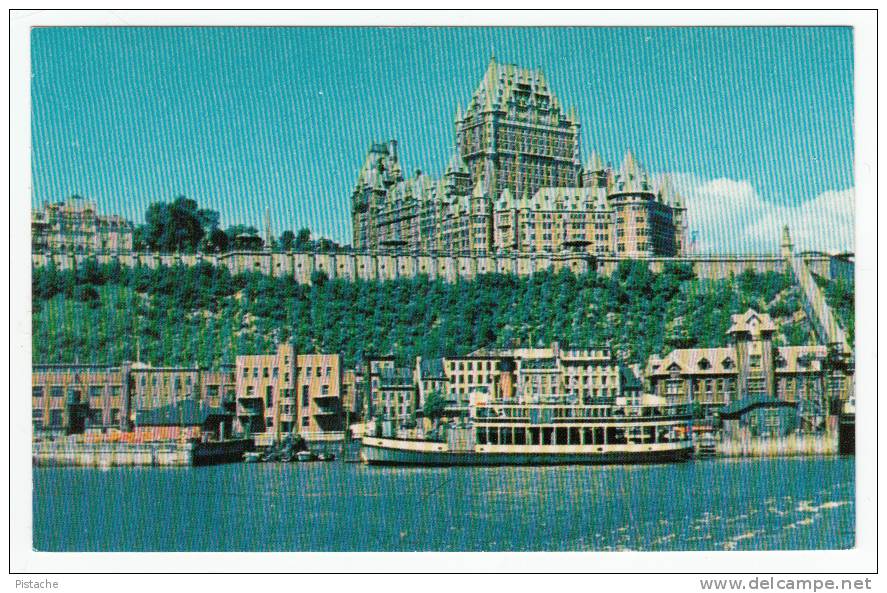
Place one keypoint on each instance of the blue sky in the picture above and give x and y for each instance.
(755, 124)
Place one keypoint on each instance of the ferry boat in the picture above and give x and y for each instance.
(549, 433)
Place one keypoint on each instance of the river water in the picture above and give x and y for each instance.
(725, 504)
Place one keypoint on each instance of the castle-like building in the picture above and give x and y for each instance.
(515, 184)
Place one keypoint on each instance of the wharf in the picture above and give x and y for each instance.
(70, 452)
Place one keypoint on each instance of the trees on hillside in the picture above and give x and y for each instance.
(205, 313)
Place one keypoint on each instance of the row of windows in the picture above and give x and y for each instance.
(318, 372)
(470, 365)
(562, 435)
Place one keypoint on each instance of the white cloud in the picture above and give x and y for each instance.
(730, 216)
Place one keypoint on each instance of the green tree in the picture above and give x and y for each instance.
(434, 406)
(176, 226)
(287, 239)
(303, 240)
(218, 241)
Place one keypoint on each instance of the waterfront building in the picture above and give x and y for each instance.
(77, 398)
(525, 374)
(392, 390)
(75, 226)
(514, 184)
(68, 399)
(286, 393)
(816, 377)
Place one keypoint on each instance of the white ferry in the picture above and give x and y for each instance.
(550, 433)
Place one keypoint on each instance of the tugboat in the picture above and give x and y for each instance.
(556, 431)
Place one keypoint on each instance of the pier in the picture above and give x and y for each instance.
(70, 452)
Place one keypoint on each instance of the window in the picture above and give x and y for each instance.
(265, 372)
(304, 395)
(305, 421)
(56, 391)
(37, 392)
(754, 361)
(269, 396)
(324, 389)
(245, 372)
(756, 386)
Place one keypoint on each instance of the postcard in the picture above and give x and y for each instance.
(442, 289)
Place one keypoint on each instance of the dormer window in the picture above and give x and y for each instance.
(727, 363)
(704, 364)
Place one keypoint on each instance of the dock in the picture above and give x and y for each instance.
(70, 452)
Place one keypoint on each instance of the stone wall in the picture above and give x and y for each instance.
(370, 266)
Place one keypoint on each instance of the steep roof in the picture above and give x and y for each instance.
(500, 83)
(554, 198)
(702, 361)
(752, 322)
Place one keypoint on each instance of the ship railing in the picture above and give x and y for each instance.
(573, 412)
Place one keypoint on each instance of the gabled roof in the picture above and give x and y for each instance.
(752, 322)
(687, 361)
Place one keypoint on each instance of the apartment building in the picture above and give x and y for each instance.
(284, 392)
